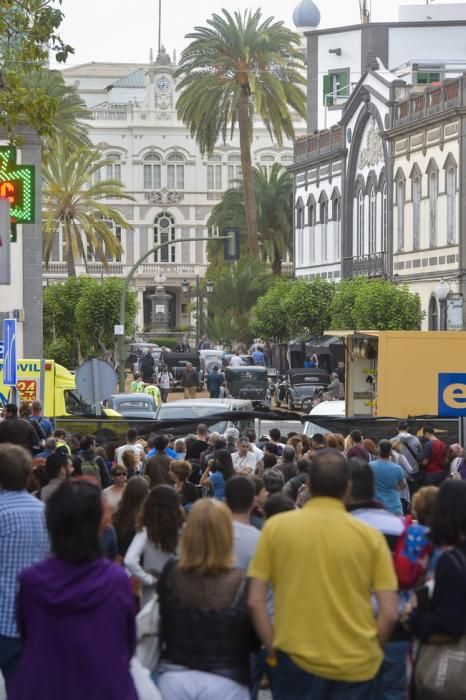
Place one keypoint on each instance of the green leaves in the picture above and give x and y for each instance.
(28, 34)
(294, 308)
(362, 304)
(79, 316)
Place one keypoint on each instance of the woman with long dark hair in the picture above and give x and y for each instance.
(219, 470)
(157, 539)
(74, 606)
(126, 516)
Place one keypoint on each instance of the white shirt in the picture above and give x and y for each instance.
(245, 464)
(257, 451)
(165, 379)
(236, 361)
(137, 449)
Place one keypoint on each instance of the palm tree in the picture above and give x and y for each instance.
(235, 68)
(73, 202)
(273, 194)
(236, 289)
(68, 108)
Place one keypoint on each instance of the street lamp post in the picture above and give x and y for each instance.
(186, 288)
(124, 292)
(442, 290)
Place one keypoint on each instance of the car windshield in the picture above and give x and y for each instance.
(136, 405)
(196, 413)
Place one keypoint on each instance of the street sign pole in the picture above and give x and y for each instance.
(124, 292)
(9, 356)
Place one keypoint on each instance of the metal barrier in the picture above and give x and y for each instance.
(109, 430)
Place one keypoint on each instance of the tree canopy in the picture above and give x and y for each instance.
(237, 67)
(28, 36)
(79, 319)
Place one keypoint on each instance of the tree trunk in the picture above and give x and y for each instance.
(277, 265)
(69, 252)
(246, 165)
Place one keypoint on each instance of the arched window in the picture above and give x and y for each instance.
(113, 168)
(400, 218)
(384, 218)
(416, 212)
(152, 172)
(164, 231)
(372, 220)
(323, 229)
(234, 169)
(433, 314)
(336, 216)
(214, 173)
(175, 172)
(360, 224)
(451, 204)
(433, 197)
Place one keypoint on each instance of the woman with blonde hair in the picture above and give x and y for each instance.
(207, 634)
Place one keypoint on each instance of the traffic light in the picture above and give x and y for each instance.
(231, 246)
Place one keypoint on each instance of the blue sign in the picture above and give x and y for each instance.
(9, 352)
(452, 394)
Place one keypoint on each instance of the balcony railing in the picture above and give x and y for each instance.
(60, 270)
(315, 144)
(432, 101)
(372, 265)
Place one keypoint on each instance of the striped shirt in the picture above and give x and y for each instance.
(23, 542)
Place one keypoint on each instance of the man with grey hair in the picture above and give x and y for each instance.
(231, 437)
(212, 439)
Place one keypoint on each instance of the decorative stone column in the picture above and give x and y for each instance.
(160, 320)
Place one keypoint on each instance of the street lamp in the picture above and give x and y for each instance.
(442, 290)
(186, 288)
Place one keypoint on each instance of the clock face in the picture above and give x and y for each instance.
(163, 85)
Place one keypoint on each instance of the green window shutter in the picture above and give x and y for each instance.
(328, 99)
(343, 79)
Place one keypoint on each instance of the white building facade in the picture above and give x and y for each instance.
(134, 122)
(377, 180)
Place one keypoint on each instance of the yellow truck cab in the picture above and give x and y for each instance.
(60, 395)
(405, 373)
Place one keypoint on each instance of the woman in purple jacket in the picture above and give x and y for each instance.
(75, 610)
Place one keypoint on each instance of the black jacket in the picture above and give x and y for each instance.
(205, 639)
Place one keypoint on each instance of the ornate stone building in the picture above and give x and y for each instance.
(134, 121)
(378, 177)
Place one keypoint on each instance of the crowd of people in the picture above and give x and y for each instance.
(320, 567)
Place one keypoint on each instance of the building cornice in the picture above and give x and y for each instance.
(426, 122)
(318, 160)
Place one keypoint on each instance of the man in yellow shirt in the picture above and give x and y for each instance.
(323, 565)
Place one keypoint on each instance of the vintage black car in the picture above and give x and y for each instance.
(247, 382)
(299, 386)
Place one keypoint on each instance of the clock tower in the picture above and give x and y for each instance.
(162, 86)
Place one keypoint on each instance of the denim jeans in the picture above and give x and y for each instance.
(292, 683)
(392, 679)
(10, 652)
(259, 669)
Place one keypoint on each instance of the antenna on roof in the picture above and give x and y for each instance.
(364, 12)
(160, 26)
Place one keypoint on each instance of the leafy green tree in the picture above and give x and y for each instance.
(72, 200)
(269, 319)
(362, 304)
(273, 193)
(79, 316)
(236, 289)
(28, 35)
(237, 67)
(69, 109)
(97, 312)
(293, 308)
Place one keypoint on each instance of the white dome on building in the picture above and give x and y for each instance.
(306, 15)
